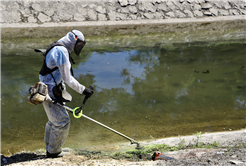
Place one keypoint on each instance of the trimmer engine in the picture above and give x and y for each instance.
(38, 93)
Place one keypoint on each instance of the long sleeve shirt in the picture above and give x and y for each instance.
(59, 57)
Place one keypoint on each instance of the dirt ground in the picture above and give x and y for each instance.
(225, 148)
(218, 156)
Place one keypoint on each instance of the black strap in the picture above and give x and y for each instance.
(45, 70)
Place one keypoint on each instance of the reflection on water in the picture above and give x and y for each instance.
(141, 92)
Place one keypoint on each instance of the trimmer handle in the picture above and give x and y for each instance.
(85, 99)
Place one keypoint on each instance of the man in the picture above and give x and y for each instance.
(55, 71)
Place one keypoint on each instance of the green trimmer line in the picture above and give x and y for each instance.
(77, 113)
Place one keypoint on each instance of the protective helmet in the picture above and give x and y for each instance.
(80, 41)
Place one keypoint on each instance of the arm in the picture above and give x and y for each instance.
(64, 68)
(69, 79)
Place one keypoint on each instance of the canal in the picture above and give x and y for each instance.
(144, 92)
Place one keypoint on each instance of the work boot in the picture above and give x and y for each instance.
(54, 155)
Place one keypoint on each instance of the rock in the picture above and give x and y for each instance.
(147, 7)
(178, 5)
(170, 14)
(157, 1)
(149, 16)
(37, 7)
(198, 13)
(79, 17)
(243, 12)
(199, 154)
(26, 12)
(55, 18)
(132, 2)
(112, 16)
(196, 7)
(218, 4)
(10, 17)
(213, 12)
(83, 12)
(100, 9)
(92, 15)
(65, 150)
(199, 1)
(226, 5)
(120, 16)
(102, 17)
(151, 8)
(186, 6)
(123, 3)
(31, 19)
(49, 12)
(158, 15)
(133, 9)
(124, 10)
(171, 6)
(242, 4)
(162, 7)
(236, 162)
(206, 13)
(223, 12)
(189, 1)
(233, 12)
(64, 16)
(222, 4)
(189, 13)
(92, 5)
(206, 6)
(132, 17)
(110, 7)
(179, 14)
(43, 18)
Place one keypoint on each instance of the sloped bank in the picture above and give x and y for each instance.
(222, 148)
(189, 26)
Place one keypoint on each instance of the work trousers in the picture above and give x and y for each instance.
(57, 128)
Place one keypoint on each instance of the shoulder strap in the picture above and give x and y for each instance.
(45, 70)
(56, 43)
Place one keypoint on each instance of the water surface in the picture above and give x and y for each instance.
(143, 92)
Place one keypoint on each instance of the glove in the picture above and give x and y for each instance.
(88, 92)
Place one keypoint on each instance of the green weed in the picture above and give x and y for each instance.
(198, 136)
(181, 144)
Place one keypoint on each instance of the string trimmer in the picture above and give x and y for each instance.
(77, 113)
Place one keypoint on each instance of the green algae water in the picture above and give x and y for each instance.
(143, 92)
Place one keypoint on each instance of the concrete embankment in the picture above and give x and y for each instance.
(39, 12)
(119, 17)
(139, 27)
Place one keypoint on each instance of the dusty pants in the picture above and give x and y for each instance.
(57, 128)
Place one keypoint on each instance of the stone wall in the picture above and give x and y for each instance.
(38, 12)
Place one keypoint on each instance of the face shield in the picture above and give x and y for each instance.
(79, 45)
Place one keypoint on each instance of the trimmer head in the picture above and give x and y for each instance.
(139, 147)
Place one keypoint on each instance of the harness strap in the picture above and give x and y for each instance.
(45, 70)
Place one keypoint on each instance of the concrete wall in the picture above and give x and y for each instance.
(38, 11)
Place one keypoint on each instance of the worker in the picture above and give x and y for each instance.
(56, 71)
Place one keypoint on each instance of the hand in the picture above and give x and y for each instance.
(88, 92)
